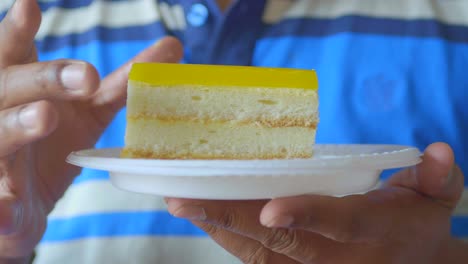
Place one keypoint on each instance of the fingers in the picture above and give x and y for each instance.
(242, 218)
(357, 218)
(47, 80)
(246, 249)
(232, 215)
(437, 176)
(9, 216)
(24, 124)
(17, 31)
(336, 218)
(113, 87)
(380, 215)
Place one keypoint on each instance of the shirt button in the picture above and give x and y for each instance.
(197, 15)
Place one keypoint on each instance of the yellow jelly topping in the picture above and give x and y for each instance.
(215, 75)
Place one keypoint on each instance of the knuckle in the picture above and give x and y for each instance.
(259, 255)
(45, 117)
(4, 168)
(13, 145)
(45, 77)
(6, 164)
(212, 230)
(11, 131)
(4, 76)
(4, 128)
(48, 77)
(16, 131)
(227, 219)
(6, 59)
(282, 240)
(10, 127)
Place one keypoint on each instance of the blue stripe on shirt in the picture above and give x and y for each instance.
(460, 226)
(154, 223)
(369, 25)
(45, 5)
(66, 4)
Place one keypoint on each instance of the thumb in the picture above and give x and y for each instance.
(437, 176)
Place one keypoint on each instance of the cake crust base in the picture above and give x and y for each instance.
(139, 154)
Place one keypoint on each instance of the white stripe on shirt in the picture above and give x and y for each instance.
(448, 11)
(59, 21)
(5, 4)
(102, 197)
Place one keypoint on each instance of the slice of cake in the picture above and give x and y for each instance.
(182, 111)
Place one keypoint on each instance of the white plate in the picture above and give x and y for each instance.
(334, 170)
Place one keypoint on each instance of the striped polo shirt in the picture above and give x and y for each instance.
(391, 72)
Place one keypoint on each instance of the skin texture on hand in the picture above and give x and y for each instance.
(47, 110)
(405, 221)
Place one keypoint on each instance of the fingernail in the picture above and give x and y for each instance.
(28, 117)
(280, 221)
(16, 14)
(414, 175)
(191, 213)
(72, 76)
(169, 54)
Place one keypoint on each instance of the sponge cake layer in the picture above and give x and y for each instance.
(271, 107)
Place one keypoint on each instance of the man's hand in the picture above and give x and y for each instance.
(405, 221)
(47, 110)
